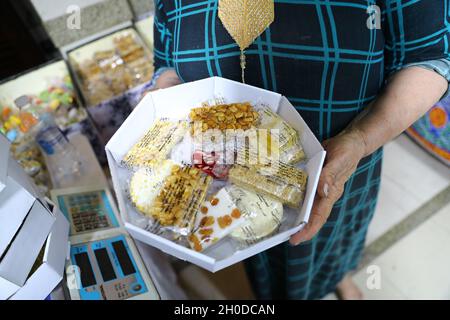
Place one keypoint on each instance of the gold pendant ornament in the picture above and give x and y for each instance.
(246, 20)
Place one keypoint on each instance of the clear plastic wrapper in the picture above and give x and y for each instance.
(210, 163)
(216, 218)
(170, 195)
(263, 215)
(290, 149)
(88, 69)
(128, 47)
(96, 89)
(208, 158)
(104, 57)
(28, 155)
(275, 179)
(216, 129)
(132, 53)
(146, 183)
(31, 153)
(224, 116)
(156, 144)
(140, 71)
(31, 167)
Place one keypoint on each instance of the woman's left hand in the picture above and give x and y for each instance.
(343, 155)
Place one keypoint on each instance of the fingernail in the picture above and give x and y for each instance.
(325, 190)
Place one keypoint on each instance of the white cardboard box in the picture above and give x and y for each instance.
(175, 103)
(4, 154)
(22, 252)
(51, 271)
(26, 222)
(16, 200)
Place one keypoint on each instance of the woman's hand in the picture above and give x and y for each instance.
(343, 155)
(167, 79)
(407, 96)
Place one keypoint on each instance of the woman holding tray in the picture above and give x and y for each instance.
(356, 82)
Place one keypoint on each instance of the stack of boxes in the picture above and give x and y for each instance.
(34, 237)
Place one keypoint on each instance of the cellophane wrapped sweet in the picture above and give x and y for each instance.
(263, 215)
(290, 149)
(169, 194)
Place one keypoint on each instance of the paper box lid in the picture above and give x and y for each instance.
(175, 103)
(17, 260)
(40, 284)
(4, 154)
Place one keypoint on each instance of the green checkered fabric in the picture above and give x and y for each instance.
(329, 58)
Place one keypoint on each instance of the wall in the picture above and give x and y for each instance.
(51, 9)
(96, 16)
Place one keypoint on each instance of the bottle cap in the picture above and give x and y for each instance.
(22, 101)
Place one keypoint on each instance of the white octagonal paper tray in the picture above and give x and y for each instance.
(175, 103)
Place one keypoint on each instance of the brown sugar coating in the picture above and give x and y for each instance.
(225, 116)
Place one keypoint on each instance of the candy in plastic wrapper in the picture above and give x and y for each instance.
(214, 221)
(290, 150)
(278, 180)
(263, 215)
(31, 167)
(156, 144)
(100, 56)
(170, 194)
(210, 164)
(30, 154)
(145, 185)
(224, 116)
(180, 197)
(43, 189)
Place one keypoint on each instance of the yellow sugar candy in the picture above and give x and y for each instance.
(15, 121)
(8, 125)
(156, 144)
(54, 104)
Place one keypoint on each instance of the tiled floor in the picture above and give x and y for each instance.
(416, 267)
(410, 178)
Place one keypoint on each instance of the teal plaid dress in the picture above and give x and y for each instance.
(329, 58)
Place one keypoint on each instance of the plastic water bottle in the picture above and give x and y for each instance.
(63, 159)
